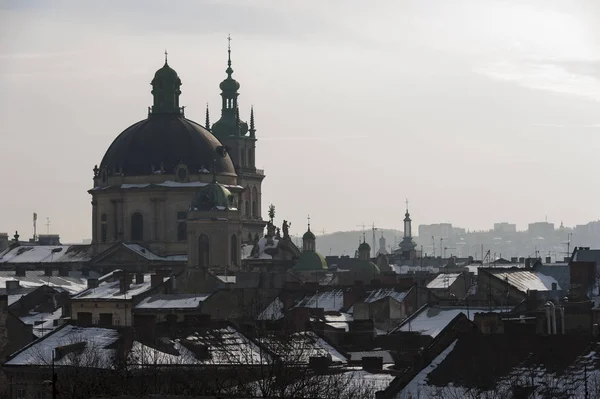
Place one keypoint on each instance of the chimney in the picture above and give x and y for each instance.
(48, 271)
(156, 279)
(528, 263)
(20, 271)
(92, 283)
(548, 259)
(123, 283)
(139, 278)
(12, 285)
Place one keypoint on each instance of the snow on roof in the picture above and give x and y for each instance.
(272, 312)
(443, 281)
(329, 301)
(224, 346)
(525, 280)
(431, 320)
(475, 267)
(47, 254)
(111, 289)
(358, 356)
(94, 351)
(339, 321)
(299, 347)
(227, 279)
(146, 253)
(413, 269)
(381, 293)
(42, 323)
(73, 283)
(172, 301)
(416, 385)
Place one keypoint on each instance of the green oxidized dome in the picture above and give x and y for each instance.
(364, 247)
(367, 267)
(309, 235)
(213, 196)
(311, 261)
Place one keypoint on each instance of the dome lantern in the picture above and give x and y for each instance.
(166, 91)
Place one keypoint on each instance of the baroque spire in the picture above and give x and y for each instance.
(207, 121)
(252, 129)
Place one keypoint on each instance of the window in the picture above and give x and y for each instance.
(203, 250)
(181, 226)
(251, 157)
(247, 202)
(103, 228)
(21, 393)
(234, 250)
(137, 227)
(254, 202)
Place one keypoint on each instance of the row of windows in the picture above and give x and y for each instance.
(204, 250)
(137, 227)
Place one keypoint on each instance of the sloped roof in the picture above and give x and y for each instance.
(381, 293)
(47, 254)
(327, 300)
(172, 301)
(110, 288)
(431, 320)
(299, 347)
(96, 351)
(443, 280)
(225, 346)
(526, 280)
(554, 365)
(73, 283)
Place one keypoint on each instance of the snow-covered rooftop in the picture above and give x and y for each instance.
(381, 293)
(110, 289)
(525, 280)
(385, 355)
(443, 281)
(146, 253)
(224, 346)
(47, 254)
(329, 301)
(166, 183)
(299, 347)
(172, 301)
(274, 311)
(43, 323)
(93, 350)
(431, 320)
(73, 283)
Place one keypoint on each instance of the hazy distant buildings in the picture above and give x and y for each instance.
(505, 228)
(426, 231)
(541, 229)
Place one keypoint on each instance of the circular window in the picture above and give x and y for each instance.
(181, 172)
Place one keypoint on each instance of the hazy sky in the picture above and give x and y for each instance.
(478, 111)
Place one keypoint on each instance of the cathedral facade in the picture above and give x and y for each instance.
(146, 188)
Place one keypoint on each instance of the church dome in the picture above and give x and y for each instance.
(164, 141)
(229, 85)
(311, 260)
(364, 247)
(166, 73)
(309, 235)
(213, 196)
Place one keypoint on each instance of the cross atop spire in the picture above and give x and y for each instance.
(229, 70)
(308, 218)
(207, 121)
(166, 54)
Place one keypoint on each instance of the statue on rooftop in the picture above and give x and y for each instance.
(286, 230)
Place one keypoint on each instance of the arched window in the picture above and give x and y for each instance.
(234, 250)
(247, 202)
(103, 228)
(137, 227)
(254, 202)
(181, 226)
(203, 250)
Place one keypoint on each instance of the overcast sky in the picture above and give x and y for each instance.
(478, 111)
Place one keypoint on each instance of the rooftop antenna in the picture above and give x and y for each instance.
(34, 226)
(373, 228)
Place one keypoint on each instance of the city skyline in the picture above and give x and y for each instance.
(78, 74)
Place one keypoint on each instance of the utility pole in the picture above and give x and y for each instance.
(442, 247)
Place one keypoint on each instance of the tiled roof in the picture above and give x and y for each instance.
(526, 280)
(443, 281)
